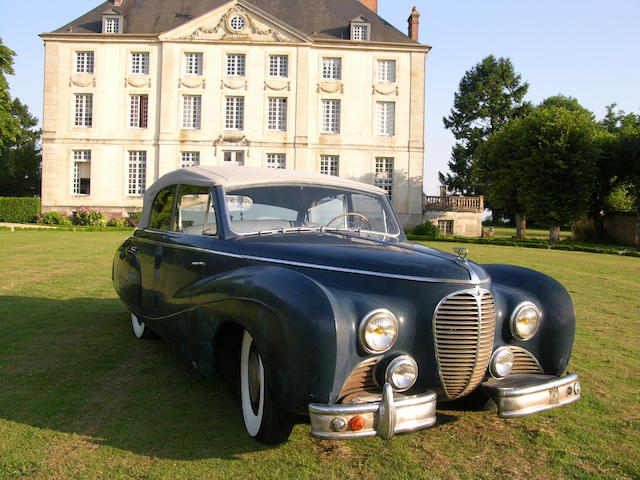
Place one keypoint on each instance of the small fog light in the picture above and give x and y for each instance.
(402, 373)
(501, 362)
(576, 388)
(339, 424)
(356, 423)
(569, 390)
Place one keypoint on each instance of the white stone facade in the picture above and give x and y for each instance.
(368, 132)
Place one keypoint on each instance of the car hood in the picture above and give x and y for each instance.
(346, 252)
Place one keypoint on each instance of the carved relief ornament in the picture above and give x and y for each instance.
(223, 30)
(330, 87)
(82, 83)
(388, 90)
(277, 85)
(137, 82)
(192, 83)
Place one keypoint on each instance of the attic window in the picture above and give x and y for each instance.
(112, 24)
(360, 30)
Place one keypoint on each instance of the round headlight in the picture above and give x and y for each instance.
(525, 321)
(378, 331)
(501, 362)
(402, 373)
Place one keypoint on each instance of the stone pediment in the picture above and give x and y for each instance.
(236, 22)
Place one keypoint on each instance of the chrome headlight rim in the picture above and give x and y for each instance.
(402, 360)
(514, 317)
(492, 362)
(362, 330)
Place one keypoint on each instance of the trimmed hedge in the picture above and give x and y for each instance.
(19, 209)
(529, 243)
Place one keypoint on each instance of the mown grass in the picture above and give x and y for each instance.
(81, 398)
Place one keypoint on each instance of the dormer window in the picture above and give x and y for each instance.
(112, 21)
(360, 29)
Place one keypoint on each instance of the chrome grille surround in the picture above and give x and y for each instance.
(463, 328)
(524, 361)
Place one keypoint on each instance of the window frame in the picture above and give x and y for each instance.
(191, 112)
(193, 67)
(191, 157)
(331, 69)
(234, 112)
(276, 160)
(141, 66)
(384, 165)
(87, 65)
(79, 156)
(383, 75)
(235, 68)
(136, 189)
(277, 114)
(279, 64)
(330, 165)
(331, 112)
(138, 110)
(360, 26)
(83, 110)
(385, 118)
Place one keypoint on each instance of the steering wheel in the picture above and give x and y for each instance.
(355, 214)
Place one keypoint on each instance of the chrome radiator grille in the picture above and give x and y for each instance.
(464, 328)
(524, 361)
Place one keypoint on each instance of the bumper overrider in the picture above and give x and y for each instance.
(515, 396)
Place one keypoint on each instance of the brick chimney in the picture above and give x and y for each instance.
(370, 4)
(414, 21)
(117, 3)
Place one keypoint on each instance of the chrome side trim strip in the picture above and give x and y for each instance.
(320, 267)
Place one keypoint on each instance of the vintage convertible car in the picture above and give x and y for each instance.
(305, 288)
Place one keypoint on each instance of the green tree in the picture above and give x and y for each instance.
(20, 155)
(20, 159)
(8, 124)
(489, 95)
(558, 169)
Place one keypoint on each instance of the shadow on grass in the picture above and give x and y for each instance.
(73, 366)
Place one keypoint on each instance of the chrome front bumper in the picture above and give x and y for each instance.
(518, 395)
(385, 418)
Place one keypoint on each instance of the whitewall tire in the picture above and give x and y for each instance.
(140, 328)
(262, 419)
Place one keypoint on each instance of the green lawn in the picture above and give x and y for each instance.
(509, 232)
(81, 398)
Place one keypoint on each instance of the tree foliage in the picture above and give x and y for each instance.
(543, 165)
(489, 95)
(20, 154)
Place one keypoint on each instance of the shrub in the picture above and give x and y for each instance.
(19, 209)
(90, 218)
(427, 229)
(54, 218)
(118, 222)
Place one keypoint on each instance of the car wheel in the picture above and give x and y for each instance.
(140, 329)
(262, 419)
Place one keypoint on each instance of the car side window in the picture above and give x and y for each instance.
(193, 211)
(161, 209)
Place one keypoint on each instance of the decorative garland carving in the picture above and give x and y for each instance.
(138, 82)
(234, 139)
(278, 85)
(79, 83)
(330, 87)
(220, 31)
(233, 84)
(390, 90)
(192, 83)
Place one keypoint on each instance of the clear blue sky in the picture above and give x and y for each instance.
(588, 49)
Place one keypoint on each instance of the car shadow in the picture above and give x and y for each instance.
(73, 365)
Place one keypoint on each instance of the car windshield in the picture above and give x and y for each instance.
(290, 208)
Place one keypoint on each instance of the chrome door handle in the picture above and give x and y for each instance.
(198, 264)
(133, 248)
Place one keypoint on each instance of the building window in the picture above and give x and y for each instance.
(445, 227)
(81, 172)
(190, 159)
(140, 63)
(276, 160)
(234, 157)
(386, 71)
(330, 116)
(137, 172)
(332, 68)
(359, 31)
(329, 164)
(138, 111)
(236, 65)
(84, 62)
(278, 66)
(384, 174)
(234, 113)
(83, 110)
(385, 118)
(193, 64)
(191, 111)
(111, 25)
(277, 114)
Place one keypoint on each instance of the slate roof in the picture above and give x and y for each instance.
(319, 19)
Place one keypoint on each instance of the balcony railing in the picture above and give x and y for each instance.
(460, 204)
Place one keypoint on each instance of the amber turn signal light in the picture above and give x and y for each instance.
(356, 423)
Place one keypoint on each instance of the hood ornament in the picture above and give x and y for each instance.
(461, 253)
